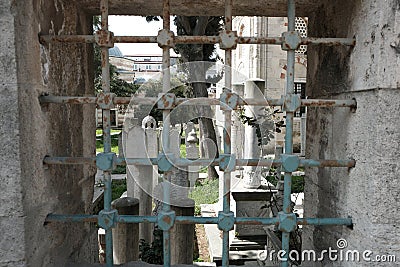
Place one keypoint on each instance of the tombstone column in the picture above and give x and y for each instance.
(252, 89)
(126, 235)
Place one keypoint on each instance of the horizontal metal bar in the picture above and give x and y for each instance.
(260, 40)
(351, 103)
(256, 221)
(44, 99)
(182, 162)
(327, 163)
(324, 221)
(67, 39)
(70, 218)
(198, 220)
(197, 101)
(196, 40)
(328, 41)
(69, 160)
(135, 39)
(136, 219)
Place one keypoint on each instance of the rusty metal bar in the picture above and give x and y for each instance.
(135, 39)
(328, 41)
(196, 40)
(45, 39)
(69, 160)
(45, 99)
(227, 136)
(166, 78)
(105, 85)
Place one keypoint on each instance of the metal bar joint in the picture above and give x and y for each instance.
(226, 221)
(105, 100)
(104, 38)
(165, 38)
(166, 101)
(229, 101)
(107, 219)
(291, 103)
(106, 161)
(227, 162)
(228, 39)
(291, 40)
(165, 161)
(166, 219)
(287, 222)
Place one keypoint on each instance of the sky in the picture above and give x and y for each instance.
(136, 26)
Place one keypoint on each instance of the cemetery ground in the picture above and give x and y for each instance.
(205, 192)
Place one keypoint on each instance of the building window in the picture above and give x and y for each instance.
(301, 27)
(300, 89)
(135, 67)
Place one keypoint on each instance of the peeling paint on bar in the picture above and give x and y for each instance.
(228, 39)
(45, 99)
(197, 220)
(182, 162)
(195, 40)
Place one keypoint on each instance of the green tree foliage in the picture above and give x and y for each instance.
(153, 253)
(153, 88)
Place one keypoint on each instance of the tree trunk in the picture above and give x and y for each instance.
(208, 138)
(197, 74)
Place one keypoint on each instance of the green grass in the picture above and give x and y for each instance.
(118, 187)
(100, 131)
(204, 193)
(182, 149)
(114, 140)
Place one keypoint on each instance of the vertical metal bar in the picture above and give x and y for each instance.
(105, 84)
(289, 131)
(165, 132)
(166, 63)
(227, 133)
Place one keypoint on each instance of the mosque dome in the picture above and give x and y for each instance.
(115, 52)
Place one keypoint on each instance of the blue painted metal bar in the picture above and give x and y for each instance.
(105, 84)
(71, 218)
(256, 220)
(283, 221)
(166, 78)
(285, 249)
(227, 133)
(325, 221)
(167, 248)
(181, 162)
(197, 220)
(289, 131)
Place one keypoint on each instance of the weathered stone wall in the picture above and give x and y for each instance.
(12, 239)
(370, 73)
(30, 131)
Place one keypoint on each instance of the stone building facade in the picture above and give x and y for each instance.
(268, 63)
